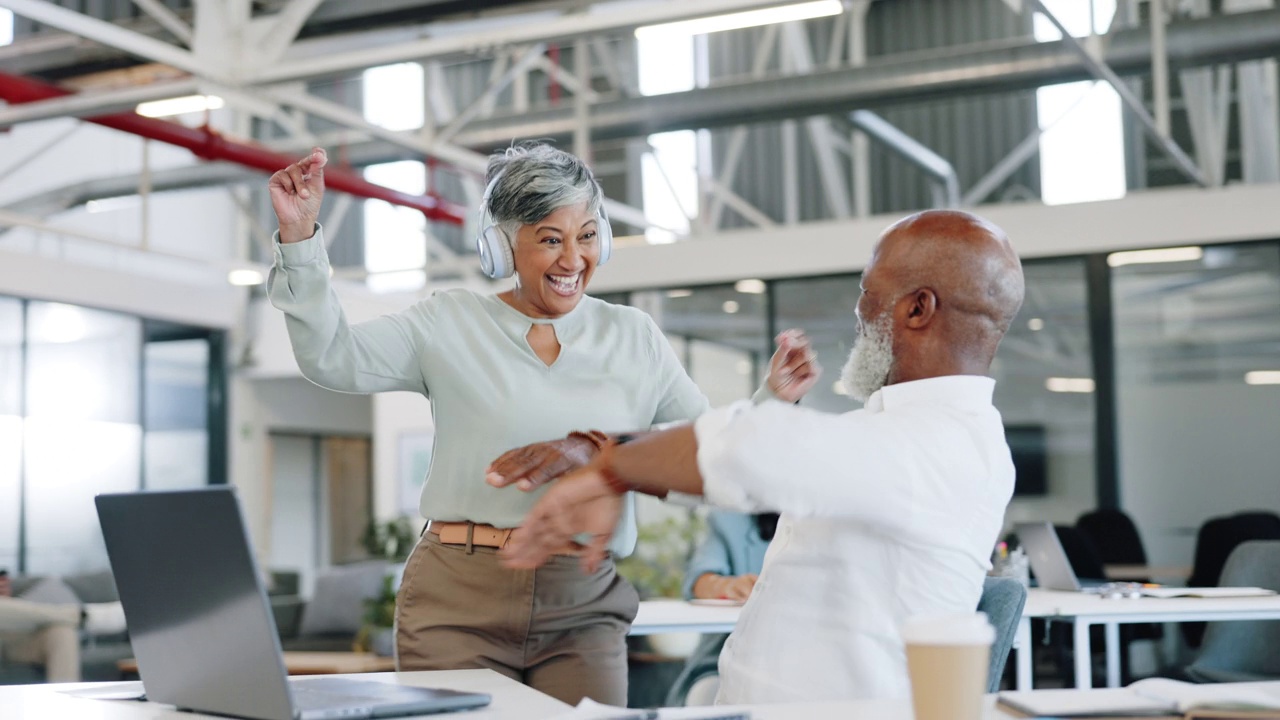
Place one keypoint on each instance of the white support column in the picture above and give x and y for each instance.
(439, 102)
(273, 35)
(582, 101)
(790, 172)
(100, 31)
(1159, 68)
(610, 66)
(144, 194)
(1083, 654)
(337, 214)
(498, 82)
(860, 152)
(796, 43)
(567, 79)
(738, 138)
(1207, 91)
(1259, 121)
(167, 18)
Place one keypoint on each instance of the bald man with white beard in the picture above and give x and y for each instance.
(888, 512)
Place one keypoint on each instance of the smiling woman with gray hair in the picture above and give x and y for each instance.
(539, 361)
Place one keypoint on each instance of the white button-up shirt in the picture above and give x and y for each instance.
(888, 512)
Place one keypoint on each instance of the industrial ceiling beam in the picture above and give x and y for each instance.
(167, 18)
(882, 82)
(317, 58)
(100, 31)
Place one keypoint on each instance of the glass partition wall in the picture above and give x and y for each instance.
(90, 402)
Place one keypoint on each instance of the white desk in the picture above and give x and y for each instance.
(1084, 610)
(663, 616)
(511, 700)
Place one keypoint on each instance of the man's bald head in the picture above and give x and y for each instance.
(953, 284)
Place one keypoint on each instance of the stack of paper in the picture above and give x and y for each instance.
(1206, 592)
(1154, 697)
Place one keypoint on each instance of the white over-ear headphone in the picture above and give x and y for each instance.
(497, 248)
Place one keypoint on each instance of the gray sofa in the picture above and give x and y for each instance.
(331, 619)
(98, 653)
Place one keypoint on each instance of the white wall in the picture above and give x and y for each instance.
(1191, 451)
(259, 407)
(395, 415)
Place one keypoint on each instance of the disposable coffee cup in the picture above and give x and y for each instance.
(947, 659)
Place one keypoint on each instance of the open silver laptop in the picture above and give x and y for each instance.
(201, 624)
(1048, 559)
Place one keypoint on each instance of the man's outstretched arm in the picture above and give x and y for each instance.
(588, 501)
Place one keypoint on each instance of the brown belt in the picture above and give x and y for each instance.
(470, 534)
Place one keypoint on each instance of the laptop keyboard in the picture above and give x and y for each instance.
(325, 695)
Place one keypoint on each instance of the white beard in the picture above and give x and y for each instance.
(870, 360)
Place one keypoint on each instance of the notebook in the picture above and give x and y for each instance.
(1153, 697)
(1207, 592)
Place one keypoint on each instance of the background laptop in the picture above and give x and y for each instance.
(1048, 560)
(201, 624)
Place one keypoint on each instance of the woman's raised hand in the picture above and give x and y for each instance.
(296, 192)
(794, 369)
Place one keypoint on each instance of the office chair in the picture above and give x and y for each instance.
(1243, 651)
(1217, 539)
(1002, 600)
(1114, 536)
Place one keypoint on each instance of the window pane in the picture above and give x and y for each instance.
(1044, 391)
(718, 332)
(824, 309)
(394, 96)
(82, 431)
(1196, 438)
(176, 451)
(10, 429)
(395, 244)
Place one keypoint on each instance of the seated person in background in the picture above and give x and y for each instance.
(888, 512)
(724, 567)
(727, 563)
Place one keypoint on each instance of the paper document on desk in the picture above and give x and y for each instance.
(1154, 697)
(1224, 700)
(591, 710)
(1207, 592)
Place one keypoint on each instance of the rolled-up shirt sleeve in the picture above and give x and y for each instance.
(782, 458)
(374, 356)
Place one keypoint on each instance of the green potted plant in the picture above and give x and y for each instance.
(393, 541)
(657, 570)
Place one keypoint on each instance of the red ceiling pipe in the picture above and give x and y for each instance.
(208, 144)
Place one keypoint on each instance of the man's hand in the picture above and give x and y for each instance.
(728, 587)
(533, 465)
(296, 192)
(794, 369)
(578, 503)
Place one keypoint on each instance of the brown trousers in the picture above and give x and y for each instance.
(555, 629)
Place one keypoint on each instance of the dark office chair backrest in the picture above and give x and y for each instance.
(1217, 539)
(1114, 536)
(1081, 553)
(1243, 651)
(1002, 600)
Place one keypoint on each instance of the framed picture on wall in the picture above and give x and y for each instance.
(413, 462)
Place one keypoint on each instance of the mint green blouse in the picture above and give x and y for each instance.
(489, 392)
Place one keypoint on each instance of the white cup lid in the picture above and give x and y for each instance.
(956, 629)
